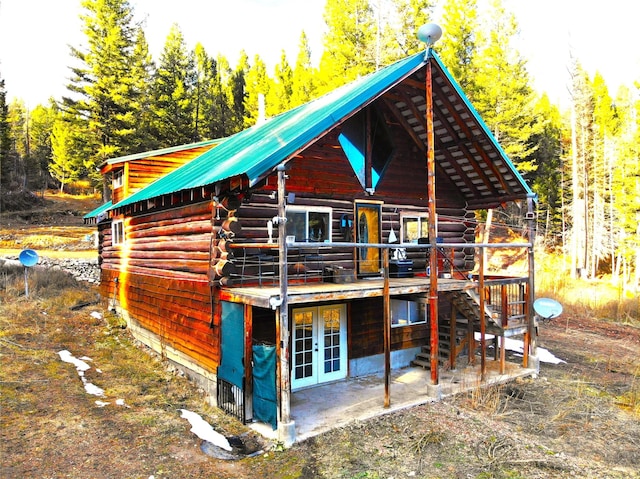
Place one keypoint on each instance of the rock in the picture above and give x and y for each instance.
(85, 270)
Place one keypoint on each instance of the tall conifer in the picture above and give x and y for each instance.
(100, 90)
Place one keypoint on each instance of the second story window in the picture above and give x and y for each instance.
(118, 179)
(414, 226)
(309, 223)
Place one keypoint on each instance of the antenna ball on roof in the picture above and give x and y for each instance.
(429, 33)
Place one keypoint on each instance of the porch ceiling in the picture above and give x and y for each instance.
(466, 153)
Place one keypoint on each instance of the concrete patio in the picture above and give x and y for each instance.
(319, 409)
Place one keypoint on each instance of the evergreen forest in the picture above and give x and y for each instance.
(583, 163)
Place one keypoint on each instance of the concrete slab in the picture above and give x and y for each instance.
(318, 409)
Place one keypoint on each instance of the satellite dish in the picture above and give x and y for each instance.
(28, 258)
(429, 33)
(547, 308)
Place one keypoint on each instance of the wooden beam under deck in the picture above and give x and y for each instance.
(321, 291)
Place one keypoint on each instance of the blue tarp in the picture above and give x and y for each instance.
(265, 406)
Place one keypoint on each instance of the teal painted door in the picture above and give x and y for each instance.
(231, 367)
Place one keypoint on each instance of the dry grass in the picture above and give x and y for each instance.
(600, 298)
(51, 426)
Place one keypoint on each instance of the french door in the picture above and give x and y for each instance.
(319, 352)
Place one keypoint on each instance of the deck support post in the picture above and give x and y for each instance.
(483, 322)
(433, 253)
(286, 427)
(532, 335)
(387, 329)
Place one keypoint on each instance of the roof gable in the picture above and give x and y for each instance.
(465, 148)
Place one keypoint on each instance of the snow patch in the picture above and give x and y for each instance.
(517, 346)
(204, 431)
(82, 366)
(67, 357)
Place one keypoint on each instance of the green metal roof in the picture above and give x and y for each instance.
(98, 211)
(257, 150)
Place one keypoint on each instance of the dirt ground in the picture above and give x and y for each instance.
(578, 419)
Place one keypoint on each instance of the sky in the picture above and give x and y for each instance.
(35, 36)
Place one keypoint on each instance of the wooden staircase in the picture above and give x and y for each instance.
(423, 358)
(466, 315)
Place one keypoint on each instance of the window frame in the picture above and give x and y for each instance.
(307, 210)
(411, 307)
(118, 236)
(421, 217)
(118, 179)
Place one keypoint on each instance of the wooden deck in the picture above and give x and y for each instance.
(300, 293)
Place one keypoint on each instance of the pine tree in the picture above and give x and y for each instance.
(349, 44)
(303, 87)
(458, 47)
(173, 93)
(64, 166)
(41, 121)
(581, 119)
(220, 119)
(624, 178)
(141, 84)
(502, 93)
(546, 181)
(403, 36)
(205, 68)
(278, 98)
(258, 84)
(5, 140)
(18, 118)
(237, 89)
(100, 86)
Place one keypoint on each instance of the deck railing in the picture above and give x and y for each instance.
(508, 297)
(259, 263)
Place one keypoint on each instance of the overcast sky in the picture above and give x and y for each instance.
(35, 36)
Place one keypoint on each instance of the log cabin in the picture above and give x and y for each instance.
(332, 241)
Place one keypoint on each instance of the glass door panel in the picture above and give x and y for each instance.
(305, 348)
(319, 345)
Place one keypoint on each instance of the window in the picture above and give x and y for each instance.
(117, 232)
(406, 313)
(118, 178)
(414, 226)
(353, 140)
(309, 224)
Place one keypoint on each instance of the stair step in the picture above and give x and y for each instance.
(443, 353)
(425, 364)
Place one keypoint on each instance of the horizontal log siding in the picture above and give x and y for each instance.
(162, 278)
(254, 214)
(367, 328)
(176, 310)
(171, 243)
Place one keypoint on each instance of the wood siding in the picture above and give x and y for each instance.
(163, 267)
(178, 311)
(144, 171)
